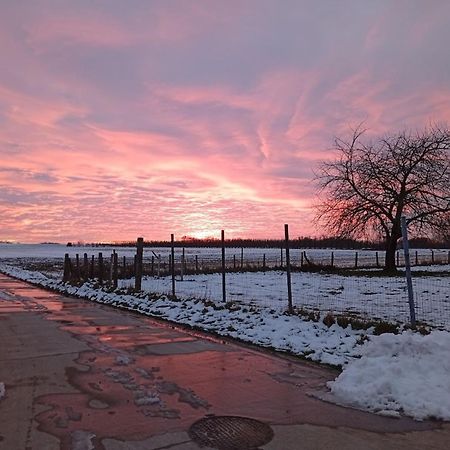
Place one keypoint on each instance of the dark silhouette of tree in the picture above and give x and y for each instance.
(371, 184)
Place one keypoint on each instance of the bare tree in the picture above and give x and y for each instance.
(370, 185)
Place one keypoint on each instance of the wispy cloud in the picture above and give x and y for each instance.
(126, 118)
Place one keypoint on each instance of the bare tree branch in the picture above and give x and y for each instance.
(369, 186)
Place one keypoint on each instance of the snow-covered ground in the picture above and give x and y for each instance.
(388, 374)
(408, 374)
(256, 324)
(366, 297)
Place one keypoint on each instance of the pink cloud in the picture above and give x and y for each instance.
(191, 118)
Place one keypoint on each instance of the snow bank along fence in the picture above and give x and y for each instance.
(281, 287)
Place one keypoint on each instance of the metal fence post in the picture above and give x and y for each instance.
(172, 262)
(412, 312)
(224, 292)
(182, 267)
(288, 267)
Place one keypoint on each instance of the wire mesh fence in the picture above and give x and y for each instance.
(369, 297)
(258, 277)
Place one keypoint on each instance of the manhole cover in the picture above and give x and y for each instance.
(230, 433)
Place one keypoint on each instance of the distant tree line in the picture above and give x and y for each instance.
(300, 242)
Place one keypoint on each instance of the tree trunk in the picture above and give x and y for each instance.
(391, 248)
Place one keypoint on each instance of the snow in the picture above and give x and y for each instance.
(251, 323)
(342, 258)
(407, 373)
(2, 390)
(366, 297)
(388, 374)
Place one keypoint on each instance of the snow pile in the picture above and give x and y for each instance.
(2, 390)
(407, 374)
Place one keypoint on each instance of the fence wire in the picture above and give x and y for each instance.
(258, 277)
(369, 297)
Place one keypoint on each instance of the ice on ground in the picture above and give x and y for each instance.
(2, 390)
(407, 373)
(82, 440)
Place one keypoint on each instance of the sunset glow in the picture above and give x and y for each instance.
(125, 119)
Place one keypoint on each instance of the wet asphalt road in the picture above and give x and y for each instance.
(84, 376)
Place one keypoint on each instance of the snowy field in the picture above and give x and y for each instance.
(361, 296)
(205, 256)
(365, 297)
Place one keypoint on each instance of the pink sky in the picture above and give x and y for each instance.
(124, 119)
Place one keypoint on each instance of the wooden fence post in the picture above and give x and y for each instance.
(139, 260)
(264, 262)
(92, 268)
(398, 258)
(432, 256)
(196, 264)
(124, 267)
(152, 267)
(77, 267)
(281, 257)
(85, 267)
(172, 265)
(356, 260)
(100, 268)
(111, 266)
(417, 258)
(377, 260)
(67, 272)
(288, 267)
(242, 258)
(332, 259)
(115, 270)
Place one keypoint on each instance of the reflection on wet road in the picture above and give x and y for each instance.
(90, 372)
